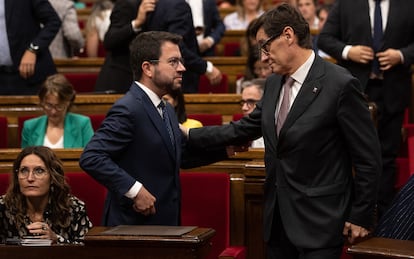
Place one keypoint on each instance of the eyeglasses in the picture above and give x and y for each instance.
(174, 62)
(249, 102)
(57, 107)
(38, 172)
(264, 47)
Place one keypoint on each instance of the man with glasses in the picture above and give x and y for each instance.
(252, 92)
(318, 131)
(137, 152)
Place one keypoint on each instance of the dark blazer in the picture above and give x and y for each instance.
(349, 24)
(133, 144)
(170, 15)
(309, 166)
(32, 21)
(213, 24)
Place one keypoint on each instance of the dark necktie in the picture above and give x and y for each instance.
(377, 36)
(167, 122)
(285, 105)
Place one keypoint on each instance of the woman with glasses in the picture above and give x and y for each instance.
(58, 128)
(38, 203)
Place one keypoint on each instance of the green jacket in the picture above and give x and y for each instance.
(77, 131)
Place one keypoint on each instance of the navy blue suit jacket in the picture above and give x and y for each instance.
(133, 144)
(349, 24)
(213, 24)
(23, 22)
(170, 15)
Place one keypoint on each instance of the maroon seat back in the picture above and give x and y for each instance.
(3, 132)
(207, 119)
(204, 86)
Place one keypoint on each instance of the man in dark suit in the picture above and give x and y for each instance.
(27, 28)
(347, 36)
(208, 25)
(131, 17)
(137, 152)
(311, 196)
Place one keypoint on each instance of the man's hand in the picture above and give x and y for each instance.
(144, 202)
(361, 54)
(184, 130)
(145, 7)
(27, 64)
(215, 76)
(352, 232)
(389, 58)
(205, 44)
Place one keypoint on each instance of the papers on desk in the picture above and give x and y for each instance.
(127, 230)
(34, 241)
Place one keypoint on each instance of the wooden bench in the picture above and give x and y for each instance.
(233, 67)
(13, 107)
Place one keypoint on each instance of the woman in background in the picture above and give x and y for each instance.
(96, 26)
(58, 128)
(176, 99)
(38, 202)
(246, 11)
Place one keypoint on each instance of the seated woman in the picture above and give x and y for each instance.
(176, 99)
(58, 128)
(38, 202)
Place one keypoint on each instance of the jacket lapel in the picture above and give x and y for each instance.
(310, 89)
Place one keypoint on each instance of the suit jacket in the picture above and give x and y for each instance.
(133, 144)
(349, 24)
(170, 15)
(213, 24)
(69, 40)
(77, 131)
(32, 21)
(309, 166)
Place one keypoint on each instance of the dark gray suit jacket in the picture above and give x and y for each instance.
(309, 166)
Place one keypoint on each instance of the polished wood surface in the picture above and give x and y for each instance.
(375, 248)
(195, 244)
(13, 107)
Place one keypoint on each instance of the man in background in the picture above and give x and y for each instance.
(27, 28)
(374, 40)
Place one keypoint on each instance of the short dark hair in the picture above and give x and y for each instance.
(275, 20)
(147, 46)
(60, 86)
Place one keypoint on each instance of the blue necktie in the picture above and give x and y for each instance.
(377, 37)
(167, 122)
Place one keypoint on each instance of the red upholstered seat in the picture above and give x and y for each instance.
(3, 132)
(82, 82)
(204, 86)
(231, 49)
(206, 203)
(4, 182)
(20, 123)
(237, 116)
(96, 120)
(89, 191)
(207, 119)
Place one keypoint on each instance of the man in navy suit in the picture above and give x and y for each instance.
(348, 37)
(131, 17)
(137, 152)
(312, 201)
(27, 27)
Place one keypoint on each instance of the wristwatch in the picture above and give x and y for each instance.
(33, 48)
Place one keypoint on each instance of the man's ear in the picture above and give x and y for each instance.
(147, 69)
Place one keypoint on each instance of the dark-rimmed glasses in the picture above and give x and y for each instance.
(174, 62)
(57, 107)
(264, 47)
(249, 102)
(38, 172)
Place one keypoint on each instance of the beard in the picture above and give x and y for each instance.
(166, 83)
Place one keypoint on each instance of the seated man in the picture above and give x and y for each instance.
(398, 221)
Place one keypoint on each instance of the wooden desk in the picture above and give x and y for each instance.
(375, 248)
(195, 244)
